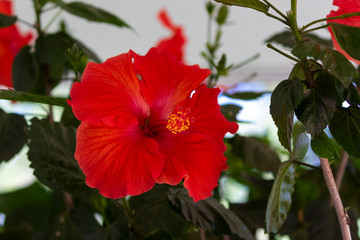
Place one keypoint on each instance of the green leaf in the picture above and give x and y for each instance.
(255, 153)
(348, 38)
(6, 20)
(324, 147)
(222, 15)
(345, 128)
(284, 99)
(301, 147)
(286, 38)
(51, 153)
(351, 94)
(12, 135)
(246, 95)
(208, 214)
(25, 70)
(254, 4)
(230, 111)
(28, 97)
(338, 65)
(316, 110)
(280, 197)
(92, 13)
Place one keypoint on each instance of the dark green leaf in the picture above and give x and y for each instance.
(51, 153)
(230, 111)
(40, 3)
(286, 38)
(28, 97)
(326, 82)
(92, 13)
(6, 20)
(210, 8)
(208, 214)
(340, 67)
(12, 135)
(301, 147)
(324, 147)
(254, 4)
(222, 15)
(246, 95)
(255, 153)
(25, 70)
(284, 99)
(280, 197)
(316, 110)
(351, 94)
(345, 128)
(348, 38)
(115, 231)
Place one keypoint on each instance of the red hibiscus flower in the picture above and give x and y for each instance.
(176, 42)
(345, 6)
(11, 41)
(146, 120)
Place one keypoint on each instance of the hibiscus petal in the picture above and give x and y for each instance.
(165, 82)
(109, 92)
(195, 158)
(117, 161)
(176, 42)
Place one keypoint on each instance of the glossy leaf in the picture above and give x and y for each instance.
(345, 128)
(246, 95)
(339, 66)
(324, 147)
(92, 13)
(13, 130)
(6, 20)
(280, 197)
(28, 97)
(51, 153)
(316, 110)
(230, 111)
(284, 99)
(254, 4)
(255, 153)
(300, 148)
(348, 38)
(208, 214)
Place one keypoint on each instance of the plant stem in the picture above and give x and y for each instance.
(269, 45)
(130, 215)
(334, 193)
(304, 164)
(317, 28)
(202, 235)
(343, 16)
(276, 10)
(340, 172)
(275, 17)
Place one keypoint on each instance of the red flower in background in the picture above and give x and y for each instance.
(135, 133)
(345, 6)
(174, 44)
(11, 41)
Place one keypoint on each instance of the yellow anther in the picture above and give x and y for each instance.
(178, 122)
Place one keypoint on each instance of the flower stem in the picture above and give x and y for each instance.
(269, 45)
(276, 10)
(340, 172)
(304, 164)
(334, 193)
(317, 28)
(343, 16)
(130, 214)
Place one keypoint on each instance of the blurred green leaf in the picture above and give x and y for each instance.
(316, 110)
(115, 231)
(230, 111)
(246, 95)
(222, 15)
(324, 147)
(210, 7)
(91, 13)
(6, 20)
(51, 153)
(339, 66)
(254, 4)
(284, 99)
(25, 71)
(301, 147)
(255, 153)
(280, 197)
(208, 214)
(348, 38)
(28, 97)
(345, 128)
(13, 135)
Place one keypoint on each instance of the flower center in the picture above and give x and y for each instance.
(180, 121)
